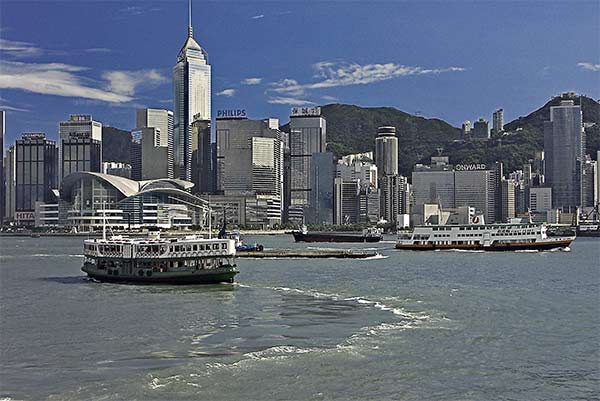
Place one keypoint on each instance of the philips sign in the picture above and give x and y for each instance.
(231, 113)
(470, 167)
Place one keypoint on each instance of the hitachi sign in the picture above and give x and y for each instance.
(231, 113)
(470, 167)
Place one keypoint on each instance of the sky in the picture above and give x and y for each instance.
(453, 60)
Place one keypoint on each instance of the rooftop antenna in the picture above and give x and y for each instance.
(190, 29)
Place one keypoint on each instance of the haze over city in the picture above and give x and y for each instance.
(450, 60)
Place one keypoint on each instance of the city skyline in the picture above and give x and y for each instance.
(125, 64)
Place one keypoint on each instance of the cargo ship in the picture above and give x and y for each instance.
(368, 235)
(484, 237)
(156, 260)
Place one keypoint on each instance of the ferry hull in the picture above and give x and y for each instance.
(217, 277)
(333, 237)
(537, 246)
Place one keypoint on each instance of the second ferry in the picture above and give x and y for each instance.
(481, 237)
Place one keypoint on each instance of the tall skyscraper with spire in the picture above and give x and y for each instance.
(191, 99)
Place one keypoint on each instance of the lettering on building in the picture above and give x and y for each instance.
(305, 111)
(470, 167)
(232, 113)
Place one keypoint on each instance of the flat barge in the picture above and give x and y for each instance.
(307, 253)
(368, 235)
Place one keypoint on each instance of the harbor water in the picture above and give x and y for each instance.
(404, 326)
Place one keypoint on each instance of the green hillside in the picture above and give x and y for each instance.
(352, 129)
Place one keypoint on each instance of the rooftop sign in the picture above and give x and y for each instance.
(231, 113)
(305, 112)
(470, 167)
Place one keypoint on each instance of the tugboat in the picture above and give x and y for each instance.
(156, 260)
(482, 237)
(368, 235)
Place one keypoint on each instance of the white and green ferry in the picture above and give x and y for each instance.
(156, 260)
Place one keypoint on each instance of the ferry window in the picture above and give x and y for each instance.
(224, 246)
(201, 247)
(195, 247)
(189, 248)
(215, 246)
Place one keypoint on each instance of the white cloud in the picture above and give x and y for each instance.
(98, 50)
(329, 98)
(227, 92)
(589, 66)
(127, 82)
(290, 101)
(64, 80)
(333, 74)
(258, 16)
(19, 49)
(11, 108)
(251, 81)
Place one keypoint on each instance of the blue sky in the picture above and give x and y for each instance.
(453, 60)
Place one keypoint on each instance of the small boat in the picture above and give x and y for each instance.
(482, 237)
(589, 229)
(368, 235)
(156, 260)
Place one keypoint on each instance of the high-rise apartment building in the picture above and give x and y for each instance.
(540, 199)
(345, 201)
(395, 197)
(162, 120)
(79, 145)
(498, 121)
(508, 200)
(191, 100)
(589, 186)
(564, 147)
(481, 130)
(386, 151)
(35, 174)
(308, 130)
(466, 129)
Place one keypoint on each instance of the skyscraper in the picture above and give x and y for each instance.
(79, 145)
(386, 151)
(163, 120)
(308, 132)
(481, 130)
(202, 169)
(36, 163)
(191, 99)
(564, 147)
(149, 158)
(498, 121)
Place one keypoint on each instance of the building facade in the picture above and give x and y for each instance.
(322, 174)
(35, 175)
(149, 157)
(564, 147)
(191, 101)
(202, 168)
(345, 201)
(308, 132)
(386, 151)
(498, 121)
(162, 120)
(481, 130)
(79, 145)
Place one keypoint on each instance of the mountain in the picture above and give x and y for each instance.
(116, 145)
(352, 129)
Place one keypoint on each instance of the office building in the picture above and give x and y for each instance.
(481, 130)
(191, 100)
(564, 147)
(79, 145)
(202, 169)
(386, 151)
(589, 180)
(472, 185)
(149, 159)
(369, 205)
(35, 172)
(162, 120)
(498, 121)
(345, 200)
(355, 169)
(2, 181)
(540, 199)
(308, 131)
(250, 162)
(322, 175)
